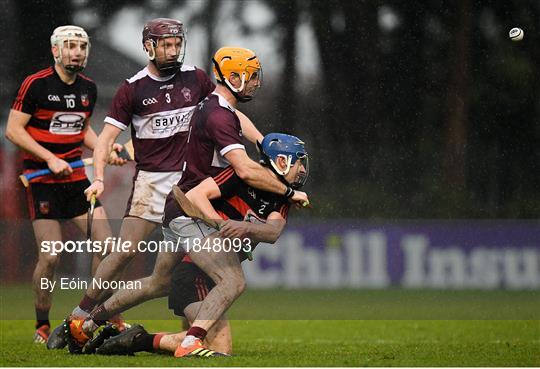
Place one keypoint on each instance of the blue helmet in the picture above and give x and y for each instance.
(289, 147)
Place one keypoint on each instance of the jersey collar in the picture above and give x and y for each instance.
(223, 102)
(158, 78)
(60, 79)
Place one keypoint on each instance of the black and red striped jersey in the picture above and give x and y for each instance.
(239, 201)
(59, 114)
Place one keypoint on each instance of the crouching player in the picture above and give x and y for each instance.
(215, 279)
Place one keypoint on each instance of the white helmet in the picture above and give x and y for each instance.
(70, 34)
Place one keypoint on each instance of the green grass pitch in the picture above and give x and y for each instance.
(319, 328)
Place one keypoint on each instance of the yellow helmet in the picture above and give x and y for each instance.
(240, 61)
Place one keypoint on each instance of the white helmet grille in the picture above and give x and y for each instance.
(69, 33)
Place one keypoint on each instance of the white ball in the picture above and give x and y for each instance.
(516, 34)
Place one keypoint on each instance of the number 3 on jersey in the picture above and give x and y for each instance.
(168, 98)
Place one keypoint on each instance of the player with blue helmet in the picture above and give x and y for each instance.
(263, 216)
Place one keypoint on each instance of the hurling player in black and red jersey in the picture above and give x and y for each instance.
(261, 216)
(234, 202)
(49, 120)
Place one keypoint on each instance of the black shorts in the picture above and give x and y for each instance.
(189, 284)
(57, 200)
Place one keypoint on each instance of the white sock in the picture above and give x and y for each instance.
(79, 313)
(89, 326)
(188, 341)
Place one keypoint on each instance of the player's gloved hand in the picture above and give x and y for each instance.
(114, 159)
(300, 198)
(59, 167)
(95, 188)
(234, 229)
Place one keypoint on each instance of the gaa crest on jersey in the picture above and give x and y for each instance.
(44, 207)
(187, 94)
(85, 101)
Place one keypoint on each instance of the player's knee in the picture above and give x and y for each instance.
(118, 258)
(241, 286)
(47, 261)
(237, 284)
(160, 285)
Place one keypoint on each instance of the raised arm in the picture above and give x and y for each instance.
(250, 132)
(257, 176)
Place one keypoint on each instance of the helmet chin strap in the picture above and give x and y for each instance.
(286, 170)
(281, 173)
(73, 68)
(150, 53)
(234, 91)
(166, 69)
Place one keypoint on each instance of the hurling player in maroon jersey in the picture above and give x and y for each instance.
(49, 120)
(156, 104)
(225, 197)
(222, 128)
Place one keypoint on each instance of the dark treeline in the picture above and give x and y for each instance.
(421, 109)
(437, 117)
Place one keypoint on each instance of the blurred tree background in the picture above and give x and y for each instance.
(416, 109)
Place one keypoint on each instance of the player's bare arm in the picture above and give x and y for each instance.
(257, 176)
(208, 190)
(16, 133)
(268, 232)
(90, 141)
(202, 194)
(102, 151)
(249, 131)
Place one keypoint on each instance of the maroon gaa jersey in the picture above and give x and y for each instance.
(214, 131)
(59, 117)
(159, 110)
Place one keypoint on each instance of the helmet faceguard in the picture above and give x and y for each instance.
(242, 62)
(65, 38)
(291, 148)
(163, 28)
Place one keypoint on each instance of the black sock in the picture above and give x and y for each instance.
(41, 323)
(42, 318)
(144, 342)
